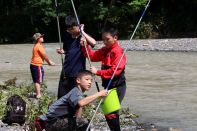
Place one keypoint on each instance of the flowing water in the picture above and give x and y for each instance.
(161, 86)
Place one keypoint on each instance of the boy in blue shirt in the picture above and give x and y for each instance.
(74, 59)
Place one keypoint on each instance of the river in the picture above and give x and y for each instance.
(161, 86)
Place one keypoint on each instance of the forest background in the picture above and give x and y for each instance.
(20, 19)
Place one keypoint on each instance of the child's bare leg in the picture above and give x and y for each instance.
(37, 88)
(79, 112)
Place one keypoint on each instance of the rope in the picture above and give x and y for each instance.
(119, 62)
(85, 44)
(59, 34)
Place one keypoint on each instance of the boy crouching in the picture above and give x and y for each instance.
(62, 114)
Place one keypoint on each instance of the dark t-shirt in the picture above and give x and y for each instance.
(74, 59)
(65, 106)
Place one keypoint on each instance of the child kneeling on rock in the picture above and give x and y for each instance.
(65, 113)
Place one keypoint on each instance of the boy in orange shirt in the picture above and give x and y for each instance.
(37, 60)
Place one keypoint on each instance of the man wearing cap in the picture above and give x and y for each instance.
(37, 60)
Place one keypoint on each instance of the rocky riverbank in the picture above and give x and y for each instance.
(129, 121)
(184, 44)
(102, 126)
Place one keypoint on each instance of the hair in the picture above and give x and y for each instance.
(82, 73)
(111, 30)
(70, 21)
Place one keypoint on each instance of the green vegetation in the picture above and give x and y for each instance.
(9, 88)
(20, 19)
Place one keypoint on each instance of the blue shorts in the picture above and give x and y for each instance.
(37, 73)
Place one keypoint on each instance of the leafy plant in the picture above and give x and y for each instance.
(36, 108)
(145, 30)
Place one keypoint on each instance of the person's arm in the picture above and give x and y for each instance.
(45, 57)
(89, 99)
(51, 63)
(60, 51)
(79, 112)
(95, 56)
(91, 41)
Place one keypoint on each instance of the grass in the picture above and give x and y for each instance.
(9, 88)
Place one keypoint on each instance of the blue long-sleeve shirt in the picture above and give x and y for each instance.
(74, 59)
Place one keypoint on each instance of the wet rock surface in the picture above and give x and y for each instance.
(129, 122)
(14, 127)
(94, 127)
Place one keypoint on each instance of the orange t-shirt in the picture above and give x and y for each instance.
(38, 54)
